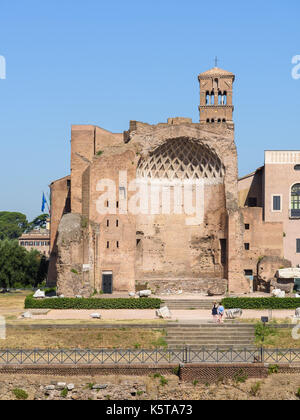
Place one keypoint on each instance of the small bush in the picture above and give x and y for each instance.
(195, 382)
(64, 393)
(298, 393)
(92, 303)
(176, 370)
(263, 331)
(261, 303)
(255, 389)
(240, 376)
(273, 369)
(163, 381)
(20, 394)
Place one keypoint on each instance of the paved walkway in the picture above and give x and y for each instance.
(149, 314)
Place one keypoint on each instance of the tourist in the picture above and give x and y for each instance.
(221, 311)
(214, 311)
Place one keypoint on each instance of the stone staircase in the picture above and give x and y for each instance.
(188, 304)
(210, 335)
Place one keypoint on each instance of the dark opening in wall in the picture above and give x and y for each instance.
(247, 226)
(248, 272)
(223, 244)
(252, 202)
(247, 246)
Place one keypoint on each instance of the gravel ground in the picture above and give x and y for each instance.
(275, 387)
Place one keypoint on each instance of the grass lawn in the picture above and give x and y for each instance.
(81, 338)
(277, 338)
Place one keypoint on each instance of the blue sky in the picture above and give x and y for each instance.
(105, 63)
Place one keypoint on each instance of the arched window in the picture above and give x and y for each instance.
(212, 120)
(225, 98)
(220, 99)
(295, 201)
(212, 98)
(207, 120)
(219, 120)
(207, 98)
(223, 120)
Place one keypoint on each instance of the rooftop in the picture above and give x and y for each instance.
(216, 71)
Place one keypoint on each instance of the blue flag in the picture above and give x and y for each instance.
(44, 201)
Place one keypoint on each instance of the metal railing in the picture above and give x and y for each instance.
(157, 356)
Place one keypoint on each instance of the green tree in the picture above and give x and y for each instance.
(20, 268)
(12, 225)
(38, 222)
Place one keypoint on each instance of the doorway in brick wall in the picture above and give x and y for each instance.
(107, 282)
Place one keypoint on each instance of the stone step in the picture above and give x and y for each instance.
(207, 336)
(210, 343)
(213, 329)
(214, 347)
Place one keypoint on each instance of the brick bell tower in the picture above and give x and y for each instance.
(216, 89)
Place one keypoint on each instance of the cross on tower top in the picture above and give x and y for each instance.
(216, 61)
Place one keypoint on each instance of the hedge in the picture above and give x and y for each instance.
(82, 303)
(261, 303)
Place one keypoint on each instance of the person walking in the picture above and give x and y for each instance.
(221, 311)
(214, 312)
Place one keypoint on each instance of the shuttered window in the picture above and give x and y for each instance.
(298, 246)
(276, 202)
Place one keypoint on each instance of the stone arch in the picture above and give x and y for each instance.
(181, 159)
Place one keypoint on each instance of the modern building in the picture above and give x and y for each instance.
(274, 191)
(38, 239)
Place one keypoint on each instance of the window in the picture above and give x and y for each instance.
(117, 223)
(117, 204)
(297, 167)
(247, 226)
(117, 244)
(223, 244)
(276, 205)
(107, 244)
(248, 273)
(207, 98)
(298, 246)
(107, 223)
(295, 201)
(247, 246)
(252, 202)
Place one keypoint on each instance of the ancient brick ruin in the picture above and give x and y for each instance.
(118, 250)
